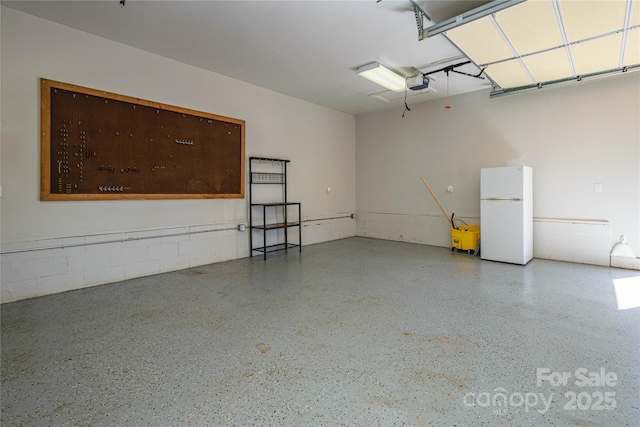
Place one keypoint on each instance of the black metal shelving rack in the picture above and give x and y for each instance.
(271, 178)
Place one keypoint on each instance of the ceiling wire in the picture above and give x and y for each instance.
(448, 69)
(452, 69)
(406, 107)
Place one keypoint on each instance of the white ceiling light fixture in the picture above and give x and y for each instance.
(530, 44)
(379, 74)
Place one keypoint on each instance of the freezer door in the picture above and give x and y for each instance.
(503, 237)
(501, 183)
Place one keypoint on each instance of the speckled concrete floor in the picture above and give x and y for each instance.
(356, 332)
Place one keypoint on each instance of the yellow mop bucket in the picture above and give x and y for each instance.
(465, 237)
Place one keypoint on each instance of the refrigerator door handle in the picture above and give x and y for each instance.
(510, 199)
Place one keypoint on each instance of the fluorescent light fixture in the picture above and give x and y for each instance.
(531, 44)
(383, 76)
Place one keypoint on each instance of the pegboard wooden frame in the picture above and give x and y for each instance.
(117, 193)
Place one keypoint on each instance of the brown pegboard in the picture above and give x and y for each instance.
(102, 146)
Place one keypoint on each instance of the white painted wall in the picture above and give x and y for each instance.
(573, 137)
(319, 142)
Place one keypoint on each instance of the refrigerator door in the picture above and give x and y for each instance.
(501, 183)
(501, 224)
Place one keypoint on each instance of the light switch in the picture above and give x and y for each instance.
(597, 187)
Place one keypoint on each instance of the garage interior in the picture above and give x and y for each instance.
(152, 311)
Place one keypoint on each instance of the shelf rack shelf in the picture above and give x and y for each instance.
(280, 208)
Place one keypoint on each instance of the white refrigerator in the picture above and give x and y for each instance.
(506, 214)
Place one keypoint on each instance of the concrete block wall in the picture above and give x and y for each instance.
(59, 265)
(413, 227)
(585, 242)
(580, 241)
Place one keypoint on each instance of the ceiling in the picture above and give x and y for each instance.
(305, 49)
(571, 40)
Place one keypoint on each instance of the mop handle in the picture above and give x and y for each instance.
(435, 198)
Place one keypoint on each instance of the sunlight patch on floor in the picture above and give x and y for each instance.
(627, 292)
